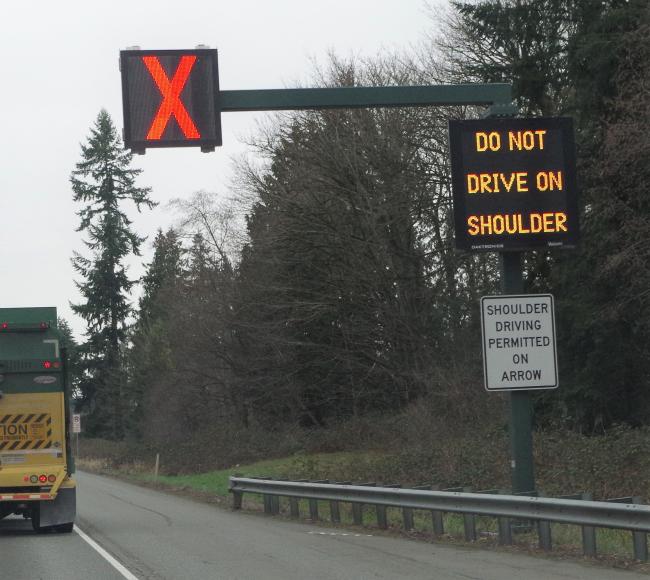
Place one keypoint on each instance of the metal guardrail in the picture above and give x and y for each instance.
(568, 510)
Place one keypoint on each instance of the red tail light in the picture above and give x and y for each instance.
(42, 478)
(47, 364)
(51, 478)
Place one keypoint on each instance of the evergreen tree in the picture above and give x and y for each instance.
(165, 268)
(199, 260)
(523, 42)
(103, 180)
(605, 304)
(149, 355)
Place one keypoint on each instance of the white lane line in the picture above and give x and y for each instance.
(104, 554)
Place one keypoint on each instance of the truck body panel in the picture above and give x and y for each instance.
(36, 463)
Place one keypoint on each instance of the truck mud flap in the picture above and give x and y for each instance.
(62, 510)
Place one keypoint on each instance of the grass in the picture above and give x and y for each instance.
(216, 482)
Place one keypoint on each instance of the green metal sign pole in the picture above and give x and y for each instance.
(521, 410)
(522, 471)
(497, 95)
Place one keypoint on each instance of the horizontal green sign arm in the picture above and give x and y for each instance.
(352, 97)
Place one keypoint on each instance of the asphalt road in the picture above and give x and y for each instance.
(137, 533)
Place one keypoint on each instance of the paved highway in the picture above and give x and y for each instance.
(128, 532)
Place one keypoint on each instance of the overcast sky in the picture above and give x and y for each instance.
(60, 67)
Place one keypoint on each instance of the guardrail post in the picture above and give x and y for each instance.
(589, 547)
(237, 497)
(407, 513)
(335, 507)
(437, 519)
(313, 503)
(357, 508)
(382, 518)
(313, 510)
(438, 523)
(335, 512)
(381, 511)
(275, 499)
(294, 503)
(407, 519)
(469, 520)
(266, 498)
(544, 537)
(469, 524)
(640, 540)
(357, 513)
(294, 508)
(505, 531)
(267, 503)
(275, 502)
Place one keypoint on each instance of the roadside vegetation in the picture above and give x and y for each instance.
(409, 448)
(565, 463)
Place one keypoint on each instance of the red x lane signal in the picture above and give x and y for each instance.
(170, 99)
(171, 91)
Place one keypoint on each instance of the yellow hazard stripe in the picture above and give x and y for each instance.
(25, 419)
(25, 444)
(13, 440)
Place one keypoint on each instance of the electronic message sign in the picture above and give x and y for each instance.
(170, 98)
(514, 183)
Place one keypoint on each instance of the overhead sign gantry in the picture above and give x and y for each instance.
(171, 98)
(513, 179)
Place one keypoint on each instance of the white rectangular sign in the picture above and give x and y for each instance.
(519, 350)
(76, 423)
